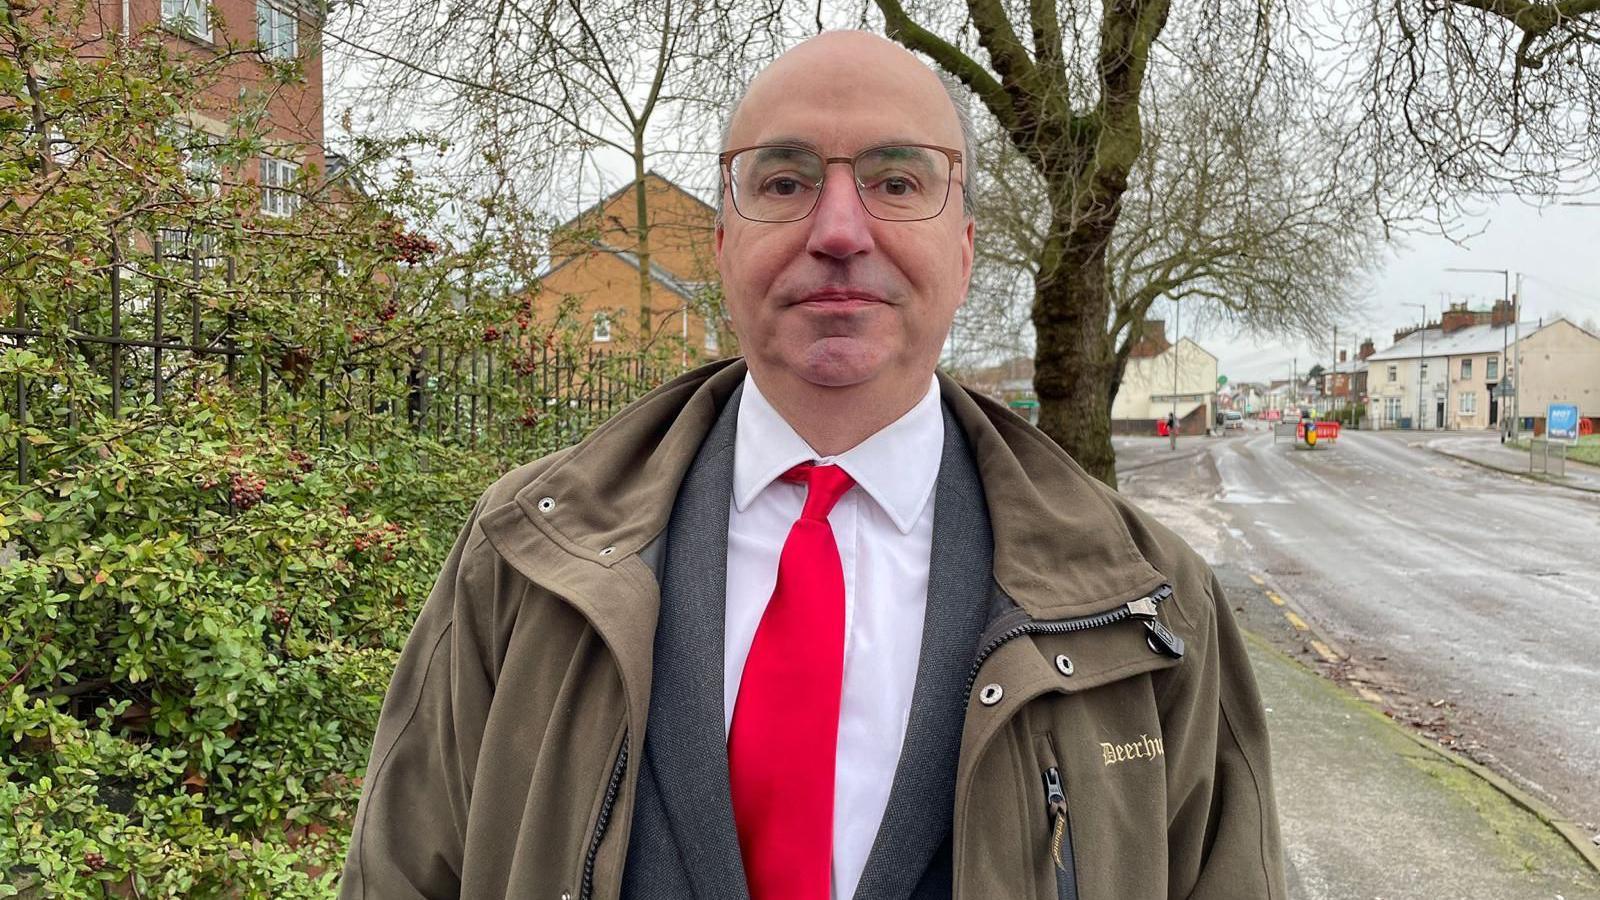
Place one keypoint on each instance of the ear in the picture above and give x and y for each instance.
(969, 235)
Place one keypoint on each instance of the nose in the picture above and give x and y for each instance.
(840, 225)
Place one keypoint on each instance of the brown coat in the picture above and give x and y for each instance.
(500, 767)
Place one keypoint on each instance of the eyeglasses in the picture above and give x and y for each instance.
(897, 183)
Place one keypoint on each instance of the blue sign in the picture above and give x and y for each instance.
(1561, 422)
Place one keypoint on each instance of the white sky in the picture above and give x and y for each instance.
(1557, 249)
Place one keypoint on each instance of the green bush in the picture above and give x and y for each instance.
(205, 592)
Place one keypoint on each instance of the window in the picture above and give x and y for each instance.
(189, 17)
(1491, 369)
(277, 31)
(1469, 403)
(1391, 408)
(277, 175)
(602, 327)
(1394, 372)
(1424, 370)
(197, 158)
(1466, 370)
(185, 244)
(711, 336)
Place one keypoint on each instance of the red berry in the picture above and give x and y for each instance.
(491, 334)
(280, 617)
(93, 861)
(247, 491)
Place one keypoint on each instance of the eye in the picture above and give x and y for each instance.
(783, 186)
(897, 186)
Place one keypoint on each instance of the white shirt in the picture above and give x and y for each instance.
(884, 529)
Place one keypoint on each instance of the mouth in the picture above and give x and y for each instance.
(839, 299)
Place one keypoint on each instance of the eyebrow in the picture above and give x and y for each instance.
(817, 148)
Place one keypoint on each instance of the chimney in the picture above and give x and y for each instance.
(1343, 355)
(1366, 349)
(1153, 342)
(1456, 318)
(1500, 314)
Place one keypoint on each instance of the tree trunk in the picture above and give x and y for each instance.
(1074, 358)
(641, 210)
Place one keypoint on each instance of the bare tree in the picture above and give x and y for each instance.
(1159, 160)
(1459, 98)
(1237, 206)
(556, 92)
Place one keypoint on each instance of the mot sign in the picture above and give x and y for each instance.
(1561, 422)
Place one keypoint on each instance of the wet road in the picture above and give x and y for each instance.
(1473, 590)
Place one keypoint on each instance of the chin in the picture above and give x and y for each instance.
(840, 362)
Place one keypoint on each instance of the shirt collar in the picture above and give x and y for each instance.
(897, 465)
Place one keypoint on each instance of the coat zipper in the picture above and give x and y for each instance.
(604, 820)
(1055, 799)
(1158, 636)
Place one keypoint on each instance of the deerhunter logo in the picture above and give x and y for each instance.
(1146, 747)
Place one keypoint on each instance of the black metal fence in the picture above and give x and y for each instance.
(168, 337)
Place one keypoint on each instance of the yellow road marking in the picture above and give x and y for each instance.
(1326, 652)
(1296, 621)
(1274, 598)
(1258, 581)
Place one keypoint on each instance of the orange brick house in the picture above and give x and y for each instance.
(594, 261)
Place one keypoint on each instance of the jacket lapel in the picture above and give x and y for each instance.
(684, 743)
(918, 817)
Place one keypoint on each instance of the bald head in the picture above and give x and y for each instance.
(838, 68)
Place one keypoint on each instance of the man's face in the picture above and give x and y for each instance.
(841, 298)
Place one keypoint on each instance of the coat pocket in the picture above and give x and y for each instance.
(1063, 865)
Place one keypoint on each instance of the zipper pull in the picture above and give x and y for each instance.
(1055, 799)
(1055, 796)
(1158, 636)
(1162, 640)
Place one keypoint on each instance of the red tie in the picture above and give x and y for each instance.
(785, 731)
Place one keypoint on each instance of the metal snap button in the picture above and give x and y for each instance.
(1063, 664)
(547, 504)
(991, 694)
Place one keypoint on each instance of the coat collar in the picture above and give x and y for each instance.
(1062, 548)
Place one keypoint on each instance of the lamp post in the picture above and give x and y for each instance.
(1422, 362)
(1172, 433)
(1505, 347)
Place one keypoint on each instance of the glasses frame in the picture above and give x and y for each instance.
(725, 163)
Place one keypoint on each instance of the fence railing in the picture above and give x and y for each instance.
(156, 341)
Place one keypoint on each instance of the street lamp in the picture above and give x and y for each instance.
(1505, 347)
(1172, 433)
(1422, 361)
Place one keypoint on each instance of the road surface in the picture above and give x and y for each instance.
(1474, 594)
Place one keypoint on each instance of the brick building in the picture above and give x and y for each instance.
(594, 260)
(267, 34)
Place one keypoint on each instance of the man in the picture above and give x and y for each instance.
(819, 622)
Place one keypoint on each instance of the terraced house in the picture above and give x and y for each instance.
(1474, 369)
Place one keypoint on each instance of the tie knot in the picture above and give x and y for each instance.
(824, 486)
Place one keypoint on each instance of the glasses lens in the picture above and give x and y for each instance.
(903, 183)
(775, 184)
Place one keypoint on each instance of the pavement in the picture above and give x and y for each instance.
(1484, 449)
